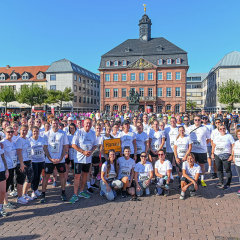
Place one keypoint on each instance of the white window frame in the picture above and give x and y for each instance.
(107, 90)
(169, 61)
(160, 61)
(161, 75)
(141, 74)
(170, 75)
(108, 63)
(150, 74)
(107, 75)
(115, 90)
(133, 74)
(125, 77)
(115, 63)
(178, 61)
(115, 75)
(180, 76)
(178, 91)
(167, 91)
(124, 63)
(158, 91)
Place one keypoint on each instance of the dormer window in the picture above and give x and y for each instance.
(40, 75)
(169, 61)
(178, 61)
(25, 76)
(124, 63)
(115, 63)
(108, 64)
(13, 76)
(160, 62)
(2, 77)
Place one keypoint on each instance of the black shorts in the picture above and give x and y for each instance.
(81, 167)
(67, 160)
(138, 158)
(2, 176)
(169, 156)
(200, 157)
(187, 181)
(49, 167)
(153, 155)
(95, 159)
(28, 172)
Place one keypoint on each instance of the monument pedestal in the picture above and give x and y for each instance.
(133, 107)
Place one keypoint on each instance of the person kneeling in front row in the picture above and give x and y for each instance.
(163, 172)
(108, 177)
(189, 181)
(143, 175)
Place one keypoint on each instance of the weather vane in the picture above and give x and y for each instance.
(144, 5)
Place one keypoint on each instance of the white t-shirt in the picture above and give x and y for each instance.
(25, 145)
(29, 134)
(125, 167)
(199, 138)
(236, 149)
(86, 141)
(146, 128)
(223, 144)
(72, 153)
(112, 173)
(182, 145)
(55, 142)
(127, 140)
(210, 128)
(141, 138)
(163, 167)
(2, 135)
(37, 151)
(115, 136)
(15, 138)
(143, 171)
(10, 153)
(99, 142)
(156, 137)
(2, 167)
(133, 128)
(171, 135)
(191, 172)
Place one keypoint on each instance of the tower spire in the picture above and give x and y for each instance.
(145, 9)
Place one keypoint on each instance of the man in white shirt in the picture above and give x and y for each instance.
(55, 147)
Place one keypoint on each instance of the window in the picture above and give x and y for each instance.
(80, 99)
(160, 61)
(169, 76)
(115, 92)
(159, 92)
(160, 76)
(108, 64)
(80, 88)
(2, 77)
(75, 77)
(107, 93)
(141, 92)
(75, 88)
(178, 75)
(53, 77)
(124, 92)
(75, 99)
(124, 108)
(150, 92)
(95, 93)
(169, 61)
(88, 91)
(178, 61)
(95, 101)
(115, 107)
(84, 99)
(168, 107)
(53, 87)
(178, 91)
(79, 79)
(169, 92)
(177, 108)
(88, 100)
(40, 75)
(91, 92)
(124, 77)
(115, 77)
(107, 78)
(25, 76)
(141, 76)
(159, 108)
(150, 76)
(124, 63)
(14, 77)
(107, 108)
(115, 63)
(133, 76)
(189, 86)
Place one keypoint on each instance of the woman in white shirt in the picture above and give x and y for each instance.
(191, 172)
(236, 156)
(163, 172)
(221, 152)
(108, 177)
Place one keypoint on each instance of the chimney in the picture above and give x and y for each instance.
(8, 66)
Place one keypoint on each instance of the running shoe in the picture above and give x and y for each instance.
(226, 186)
(158, 191)
(68, 183)
(95, 186)
(43, 198)
(238, 193)
(182, 196)
(13, 193)
(64, 197)
(28, 198)
(220, 186)
(33, 195)
(3, 213)
(192, 194)
(84, 195)
(22, 200)
(90, 190)
(166, 193)
(203, 183)
(37, 193)
(74, 199)
(9, 206)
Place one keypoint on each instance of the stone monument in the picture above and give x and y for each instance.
(133, 100)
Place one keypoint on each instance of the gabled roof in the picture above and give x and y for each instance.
(64, 65)
(154, 46)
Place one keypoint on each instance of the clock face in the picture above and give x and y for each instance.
(144, 37)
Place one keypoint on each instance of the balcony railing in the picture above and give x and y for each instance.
(154, 98)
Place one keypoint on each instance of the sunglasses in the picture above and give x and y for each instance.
(161, 154)
(143, 156)
(222, 128)
(217, 122)
(10, 131)
(197, 120)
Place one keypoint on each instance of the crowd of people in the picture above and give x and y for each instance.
(155, 148)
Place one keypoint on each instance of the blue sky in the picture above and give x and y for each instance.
(38, 32)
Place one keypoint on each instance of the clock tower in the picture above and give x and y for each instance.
(145, 28)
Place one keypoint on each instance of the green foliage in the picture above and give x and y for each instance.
(32, 95)
(229, 93)
(190, 105)
(7, 95)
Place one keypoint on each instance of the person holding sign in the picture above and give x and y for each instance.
(10, 155)
(55, 146)
(221, 152)
(126, 173)
(108, 177)
(37, 152)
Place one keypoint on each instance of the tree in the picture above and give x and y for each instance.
(57, 96)
(190, 105)
(7, 95)
(32, 95)
(229, 93)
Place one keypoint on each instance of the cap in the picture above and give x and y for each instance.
(70, 119)
(204, 117)
(126, 122)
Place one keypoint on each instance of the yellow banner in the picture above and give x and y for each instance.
(110, 144)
